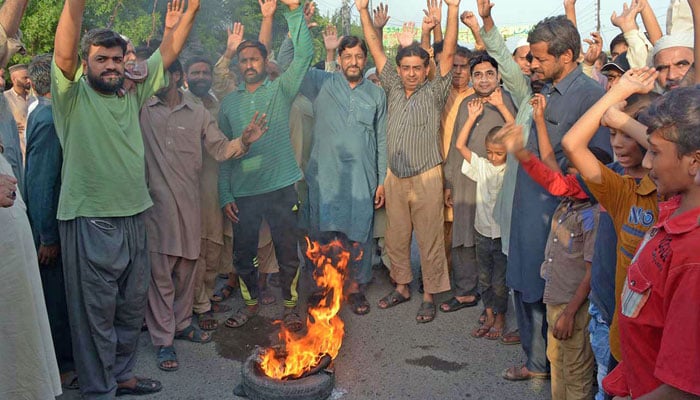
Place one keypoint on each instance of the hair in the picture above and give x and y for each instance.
(247, 44)
(106, 38)
(559, 33)
(482, 57)
(639, 103)
(348, 42)
(490, 137)
(463, 52)
(176, 67)
(196, 60)
(601, 155)
(619, 39)
(603, 58)
(438, 47)
(17, 67)
(413, 50)
(676, 116)
(40, 73)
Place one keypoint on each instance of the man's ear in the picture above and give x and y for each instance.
(567, 57)
(694, 165)
(83, 63)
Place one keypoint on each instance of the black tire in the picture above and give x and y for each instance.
(259, 387)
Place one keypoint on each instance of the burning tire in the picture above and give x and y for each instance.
(258, 386)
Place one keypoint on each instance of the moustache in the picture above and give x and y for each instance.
(250, 70)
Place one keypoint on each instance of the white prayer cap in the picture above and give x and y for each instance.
(370, 72)
(516, 42)
(680, 39)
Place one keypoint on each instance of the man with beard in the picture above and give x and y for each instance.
(18, 98)
(176, 129)
(347, 166)
(104, 194)
(261, 183)
(673, 56)
(498, 109)
(214, 233)
(555, 46)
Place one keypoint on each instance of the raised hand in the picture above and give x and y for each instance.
(637, 80)
(407, 34)
(330, 38)
(614, 117)
(595, 46)
(538, 103)
(255, 129)
(381, 16)
(268, 8)
(361, 4)
(496, 98)
(469, 19)
(176, 9)
(429, 23)
(569, 4)
(235, 38)
(484, 8)
(475, 108)
(452, 2)
(309, 12)
(627, 20)
(511, 135)
(434, 10)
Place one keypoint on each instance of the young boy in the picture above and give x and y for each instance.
(488, 175)
(658, 317)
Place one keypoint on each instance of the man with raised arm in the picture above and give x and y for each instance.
(261, 183)
(414, 181)
(104, 194)
(555, 45)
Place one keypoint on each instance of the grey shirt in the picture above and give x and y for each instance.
(413, 123)
(463, 188)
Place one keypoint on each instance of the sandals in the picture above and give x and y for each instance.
(217, 308)
(292, 320)
(392, 299)
(223, 293)
(511, 338)
(267, 298)
(516, 373)
(358, 302)
(143, 386)
(494, 333)
(207, 321)
(167, 354)
(426, 312)
(71, 382)
(241, 317)
(480, 331)
(194, 334)
(453, 304)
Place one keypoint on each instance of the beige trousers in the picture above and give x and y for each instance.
(571, 360)
(170, 297)
(415, 205)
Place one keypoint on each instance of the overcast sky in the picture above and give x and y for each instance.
(513, 12)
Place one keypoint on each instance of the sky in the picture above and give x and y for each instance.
(513, 12)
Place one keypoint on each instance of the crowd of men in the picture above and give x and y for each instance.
(557, 187)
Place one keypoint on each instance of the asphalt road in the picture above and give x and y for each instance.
(385, 355)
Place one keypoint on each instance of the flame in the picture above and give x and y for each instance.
(325, 329)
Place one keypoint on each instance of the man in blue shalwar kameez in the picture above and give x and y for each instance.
(347, 166)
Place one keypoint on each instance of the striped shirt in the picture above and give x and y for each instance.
(270, 164)
(413, 123)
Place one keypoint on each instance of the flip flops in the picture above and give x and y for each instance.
(194, 334)
(392, 299)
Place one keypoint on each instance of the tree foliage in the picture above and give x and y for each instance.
(142, 22)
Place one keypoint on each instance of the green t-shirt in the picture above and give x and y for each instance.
(104, 173)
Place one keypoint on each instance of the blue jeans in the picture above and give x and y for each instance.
(600, 342)
(532, 324)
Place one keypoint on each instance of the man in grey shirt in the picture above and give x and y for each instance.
(414, 182)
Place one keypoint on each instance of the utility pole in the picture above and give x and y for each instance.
(597, 16)
(345, 17)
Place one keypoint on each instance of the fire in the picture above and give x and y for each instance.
(325, 329)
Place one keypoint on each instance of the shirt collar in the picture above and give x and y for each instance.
(241, 86)
(563, 85)
(679, 224)
(185, 101)
(646, 186)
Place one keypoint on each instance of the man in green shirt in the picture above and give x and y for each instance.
(261, 183)
(103, 194)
